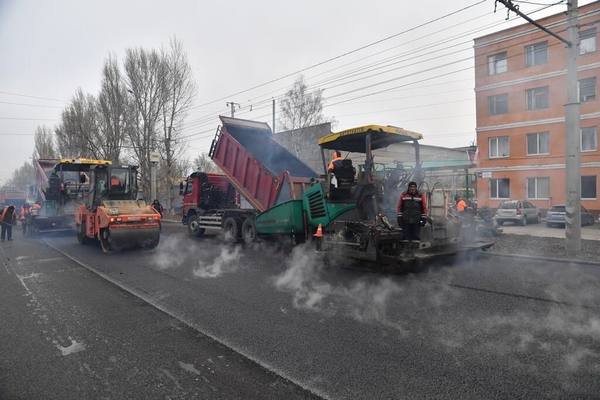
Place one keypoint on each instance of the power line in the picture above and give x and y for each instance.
(29, 105)
(33, 97)
(344, 54)
(29, 119)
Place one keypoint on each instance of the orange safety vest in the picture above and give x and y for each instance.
(461, 205)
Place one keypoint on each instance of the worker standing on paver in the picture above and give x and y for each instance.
(337, 156)
(412, 212)
(7, 220)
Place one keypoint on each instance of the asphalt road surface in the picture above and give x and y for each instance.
(485, 328)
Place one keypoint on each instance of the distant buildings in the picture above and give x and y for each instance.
(520, 77)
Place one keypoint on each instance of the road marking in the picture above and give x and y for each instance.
(74, 347)
(185, 320)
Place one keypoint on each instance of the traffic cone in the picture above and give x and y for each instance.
(319, 233)
(319, 237)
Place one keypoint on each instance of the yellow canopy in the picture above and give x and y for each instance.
(78, 164)
(353, 140)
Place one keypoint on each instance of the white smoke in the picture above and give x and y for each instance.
(364, 300)
(228, 261)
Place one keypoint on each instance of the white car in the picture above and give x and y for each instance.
(520, 212)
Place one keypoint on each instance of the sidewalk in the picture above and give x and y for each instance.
(541, 230)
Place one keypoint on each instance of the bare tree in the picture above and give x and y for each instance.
(77, 135)
(203, 163)
(23, 176)
(112, 111)
(179, 90)
(44, 143)
(145, 72)
(299, 109)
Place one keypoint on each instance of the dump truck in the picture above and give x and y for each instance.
(209, 201)
(111, 213)
(291, 201)
(254, 166)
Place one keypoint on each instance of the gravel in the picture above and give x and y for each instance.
(543, 247)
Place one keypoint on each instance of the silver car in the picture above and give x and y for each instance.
(520, 212)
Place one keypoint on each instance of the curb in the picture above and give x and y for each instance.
(541, 258)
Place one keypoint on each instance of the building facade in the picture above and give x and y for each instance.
(520, 86)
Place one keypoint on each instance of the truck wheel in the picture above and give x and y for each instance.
(249, 231)
(524, 221)
(231, 231)
(193, 226)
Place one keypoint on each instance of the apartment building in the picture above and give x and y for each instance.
(520, 85)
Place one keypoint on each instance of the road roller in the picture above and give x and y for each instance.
(112, 214)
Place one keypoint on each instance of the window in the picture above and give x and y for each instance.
(588, 187)
(587, 89)
(537, 98)
(498, 147)
(498, 104)
(499, 188)
(538, 188)
(538, 143)
(588, 139)
(497, 63)
(536, 54)
(587, 41)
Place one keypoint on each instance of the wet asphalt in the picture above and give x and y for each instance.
(66, 333)
(487, 327)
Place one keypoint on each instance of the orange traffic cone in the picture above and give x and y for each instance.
(319, 233)
(319, 237)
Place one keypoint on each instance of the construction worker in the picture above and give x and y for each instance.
(157, 207)
(461, 204)
(25, 211)
(7, 220)
(337, 156)
(412, 212)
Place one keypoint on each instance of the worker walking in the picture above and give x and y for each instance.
(412, 212)
(7, 220)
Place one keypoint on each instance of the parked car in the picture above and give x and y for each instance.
(556, 216)
(518, 211)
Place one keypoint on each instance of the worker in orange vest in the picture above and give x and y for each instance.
(461, 204)
(337, 156)
(7, 220)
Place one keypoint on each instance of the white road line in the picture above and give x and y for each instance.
(180, 317)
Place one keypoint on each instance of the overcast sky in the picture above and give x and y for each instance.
(48, 49)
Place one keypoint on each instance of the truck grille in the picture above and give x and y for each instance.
(316, 204)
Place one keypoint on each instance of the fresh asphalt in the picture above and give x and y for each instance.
(66, 333)
(485, 328)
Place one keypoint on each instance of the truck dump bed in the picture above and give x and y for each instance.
(262, 170)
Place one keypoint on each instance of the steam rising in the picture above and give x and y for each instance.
(361, 300)
(227, 261)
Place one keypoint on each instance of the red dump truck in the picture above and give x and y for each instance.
(254, 166)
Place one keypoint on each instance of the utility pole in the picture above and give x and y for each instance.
(233, 105)
(273, 115)
(572, 156)
(573, 162)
